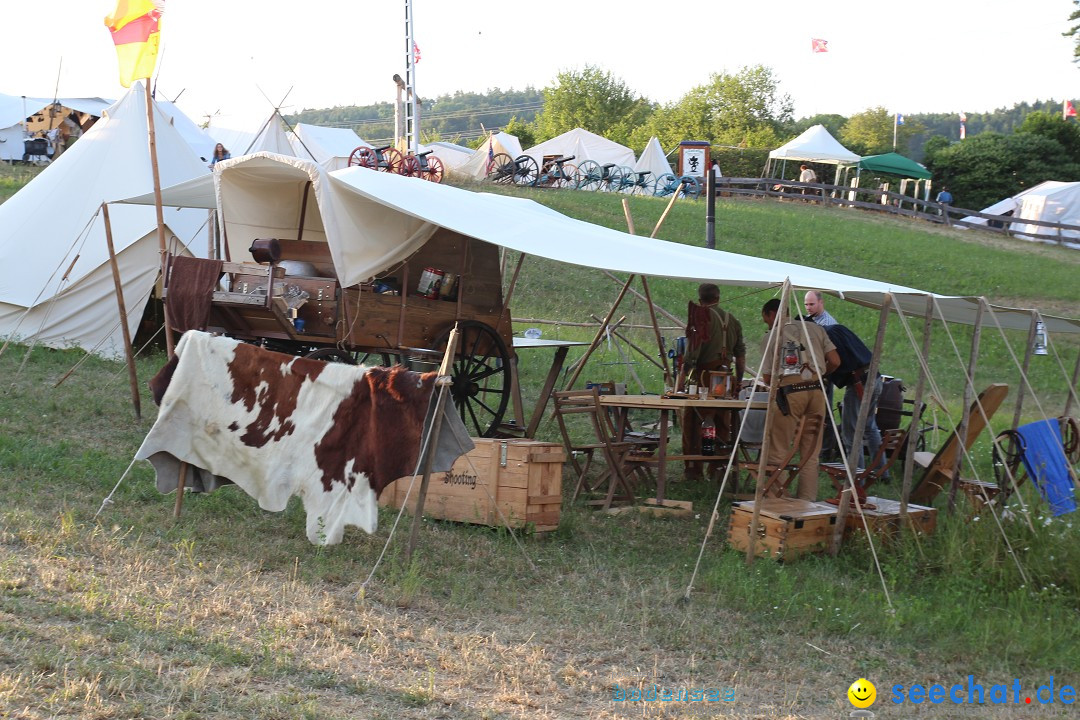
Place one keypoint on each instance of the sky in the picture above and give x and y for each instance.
(234, 61)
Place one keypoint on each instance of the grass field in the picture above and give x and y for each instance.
(230, 613)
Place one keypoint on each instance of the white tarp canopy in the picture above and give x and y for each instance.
(476, 167)
(583, 145)
(269, 136)
(815, 145)
(653, 159)
(14, 109)
(53, 226)
(373, 220)
(329, 147)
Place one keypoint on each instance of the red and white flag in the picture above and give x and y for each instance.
(1068, 111)
(415, 52)
(818, 45)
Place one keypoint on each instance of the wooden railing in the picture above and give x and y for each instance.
(886, 201)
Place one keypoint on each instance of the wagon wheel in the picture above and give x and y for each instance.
(392, 161)
(568, 179)
(526, 171)
(481, 375)
(613, 181)
(665, 185)
(410, 166)
(627, 179)
(1009, 455)
(589, 175)
(332, 354)
(646, 185)
(691, 188)
(434, 170)
(1070, 436)
(363, 157)
(501, 168)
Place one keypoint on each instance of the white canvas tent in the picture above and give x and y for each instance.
(450, 154)
(374, 220)
(14, 109)
(815, 145)
(269, 136)
(198, 139)
(1050, 201)
(476, 167)
(653, 159)
(53, 226)
(583, 145)
(329, 147)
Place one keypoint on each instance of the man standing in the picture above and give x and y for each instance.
(807, 175)
(815, 308)
(802, 367)
(714, 343)
(852, 376)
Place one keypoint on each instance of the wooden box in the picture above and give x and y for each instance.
(884, 520)
(787, 527)
(524, 477)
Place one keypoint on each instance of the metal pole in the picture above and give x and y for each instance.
(710, 209)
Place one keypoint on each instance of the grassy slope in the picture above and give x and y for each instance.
(230, 613)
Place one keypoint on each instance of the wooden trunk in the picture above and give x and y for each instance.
(787, 527)
(523, 476)
(884, 521)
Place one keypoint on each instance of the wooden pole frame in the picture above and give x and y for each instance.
(1028, 349)
(969, 395)
(920, 389)
(129, 353)
(151, 137)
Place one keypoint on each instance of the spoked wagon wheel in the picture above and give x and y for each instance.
(481, 374)
(410, 166)
(568, 179)
(1006, 456)
(501, 168)
(645, 186)
(613, 181)
(589, 175)
(526, 172)
(392, 161)
(666, 184)
(691, 188)
(434, 170)
(627, 179)
(363, 157)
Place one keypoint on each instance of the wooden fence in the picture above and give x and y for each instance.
(886, 201)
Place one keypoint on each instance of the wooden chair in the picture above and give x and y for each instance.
(617, 476)
(892, 444)
(779, 476)
(939, 466)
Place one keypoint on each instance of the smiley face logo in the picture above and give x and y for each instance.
(862, 693)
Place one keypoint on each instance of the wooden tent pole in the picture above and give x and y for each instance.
(681, 322)
(860, 428)
(1028, 348)
(180, 490)
(770, 411)
(668, 380)
(129, 353)
(920, 388)
(442, 386)
(599, 334)
(969, 395)
(169, 344)
(664, 215)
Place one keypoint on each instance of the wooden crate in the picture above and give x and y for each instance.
(523, 476)
(884, 520)
(787, 527)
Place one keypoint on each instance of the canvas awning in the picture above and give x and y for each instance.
(895, 164)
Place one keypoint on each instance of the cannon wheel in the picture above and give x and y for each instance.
(502, 168)
(392, 161)
(526, 172)
(691, 188)
(665, 185)
(613, 181)
(568, 181)
(410, 166)
(644, 187)
(589, 175)
(363, 157)
(481, 375)
(434, 170)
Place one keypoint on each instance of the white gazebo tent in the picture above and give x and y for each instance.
(815, 145)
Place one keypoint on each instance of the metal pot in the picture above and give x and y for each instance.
(265, 250)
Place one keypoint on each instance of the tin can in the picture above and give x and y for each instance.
(448, 288)
(429, 283)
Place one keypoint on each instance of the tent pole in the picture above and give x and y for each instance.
(1071, 398)
(129, 353)
(664, 215)
(649, 302)
(916, 415)
(965, 417)
(774, 383)
(1024, 369)
(678, 321)
(860, 429)
(169, 345)
(600, 331)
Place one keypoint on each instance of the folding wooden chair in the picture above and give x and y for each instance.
(892, 446)
(779, 476)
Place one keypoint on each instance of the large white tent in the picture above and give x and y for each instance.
(14, 109)
(1050, 201)
(476, 167)
(269, 136)
(653, 160)
(372, 220)
(55, 283)
(198, 139)
(450, 154)
(583, 145)
(330, 147)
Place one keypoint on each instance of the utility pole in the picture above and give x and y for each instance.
(412, 103)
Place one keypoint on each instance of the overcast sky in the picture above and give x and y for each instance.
(909, 57)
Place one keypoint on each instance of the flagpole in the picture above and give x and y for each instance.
(895, 122)
(157, 206)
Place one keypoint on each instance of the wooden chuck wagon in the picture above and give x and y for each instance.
(401, 314)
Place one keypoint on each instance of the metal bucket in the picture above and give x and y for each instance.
(421, 363)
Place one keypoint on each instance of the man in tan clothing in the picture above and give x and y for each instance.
(802, 366)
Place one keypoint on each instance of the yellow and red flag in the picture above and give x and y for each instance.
(135, 26)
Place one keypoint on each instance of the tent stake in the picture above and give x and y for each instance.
(965, 417)
(860, 428)
(180, 490)
(129, 354)
(916, 415)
